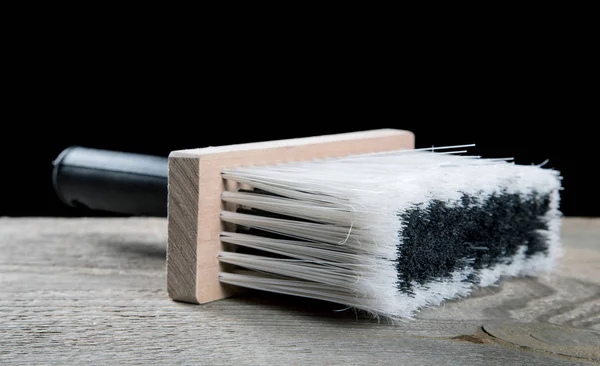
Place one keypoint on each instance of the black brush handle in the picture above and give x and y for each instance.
(112, 181)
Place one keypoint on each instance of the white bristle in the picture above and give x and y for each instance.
(338, 227)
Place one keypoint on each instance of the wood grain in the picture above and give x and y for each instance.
(193, 241)
(183, 230)
(93, 291)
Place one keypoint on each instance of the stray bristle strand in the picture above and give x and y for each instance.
(390, 233)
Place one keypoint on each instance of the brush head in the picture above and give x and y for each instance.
(389, 233)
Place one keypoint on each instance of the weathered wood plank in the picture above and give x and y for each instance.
(94, 291)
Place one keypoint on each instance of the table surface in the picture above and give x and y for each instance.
(92, 290)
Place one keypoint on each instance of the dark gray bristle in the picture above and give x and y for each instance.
(439, 239)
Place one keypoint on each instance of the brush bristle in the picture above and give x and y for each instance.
(390, 233)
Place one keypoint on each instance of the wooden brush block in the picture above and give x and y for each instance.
(194, 199)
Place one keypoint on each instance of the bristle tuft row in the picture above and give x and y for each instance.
(390, 233)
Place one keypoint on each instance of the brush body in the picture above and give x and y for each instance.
(359, 219)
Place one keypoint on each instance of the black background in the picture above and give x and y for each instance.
(28, 191)
(140, 92)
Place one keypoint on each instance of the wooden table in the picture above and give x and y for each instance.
(92, 291)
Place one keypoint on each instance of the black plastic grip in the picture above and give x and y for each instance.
(111, 181)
